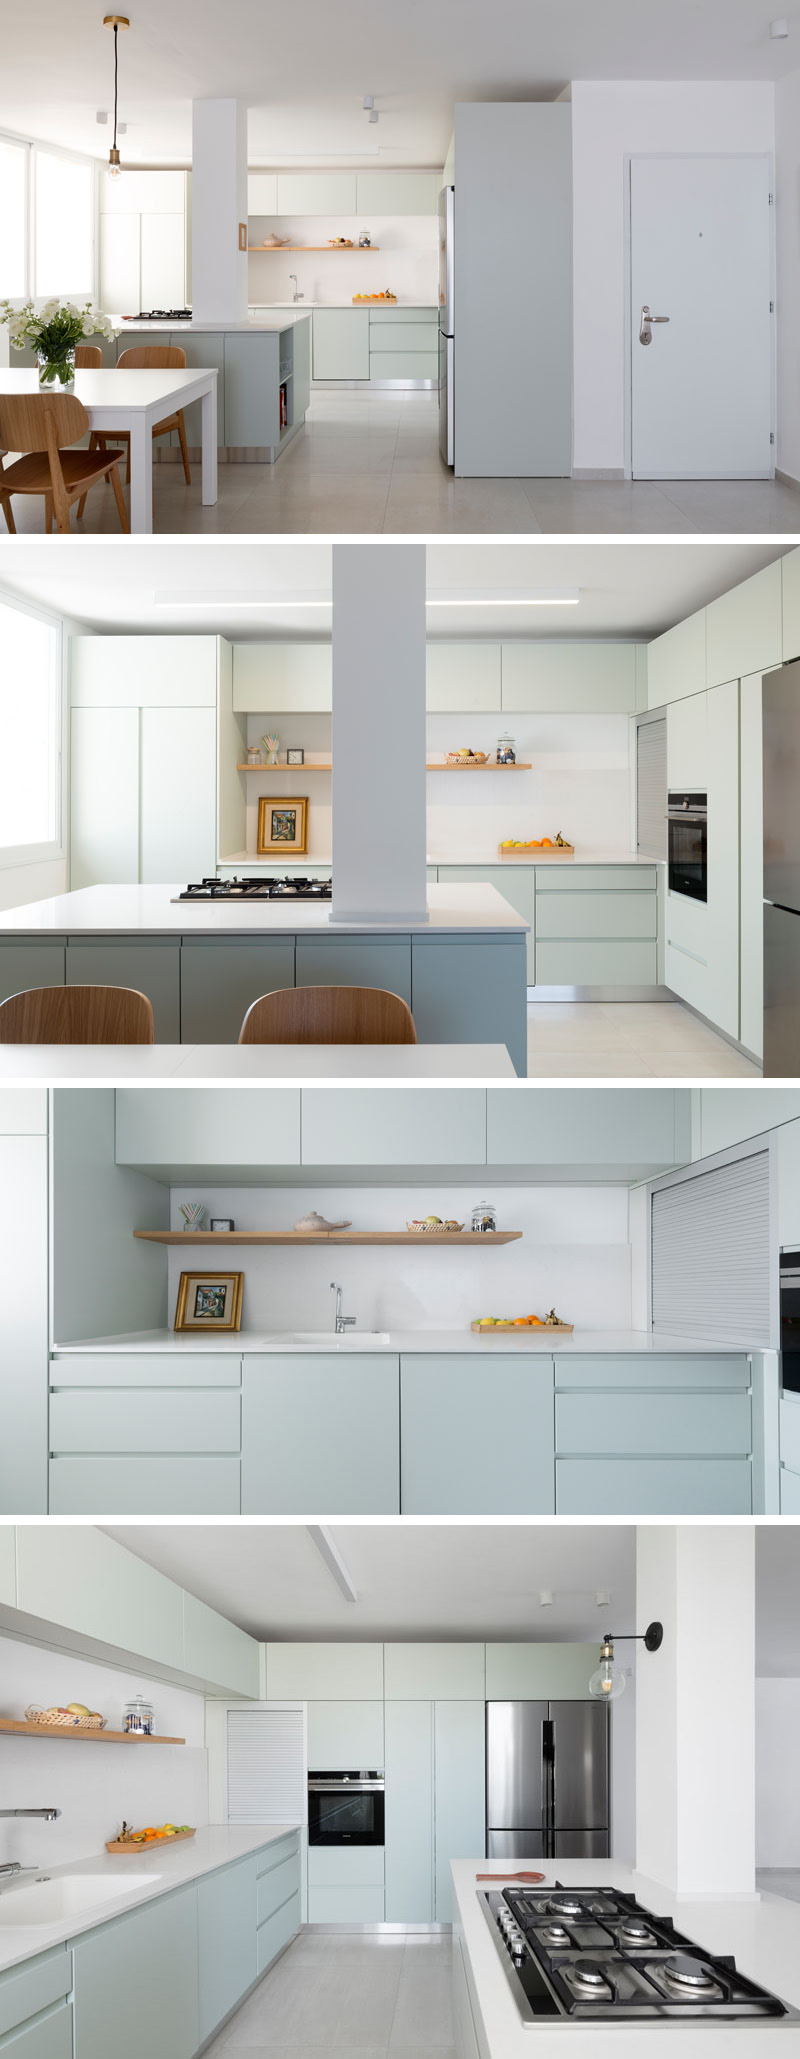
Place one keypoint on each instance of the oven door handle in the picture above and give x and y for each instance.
(685, 815)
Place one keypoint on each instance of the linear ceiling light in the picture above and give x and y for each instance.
(187, 597)
(333, 1559)
(563, 597)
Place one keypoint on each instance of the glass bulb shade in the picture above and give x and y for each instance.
(114, 166)
(608, 1683)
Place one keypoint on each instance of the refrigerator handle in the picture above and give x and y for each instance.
(548, 1776)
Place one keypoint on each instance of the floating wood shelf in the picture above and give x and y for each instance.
(187, 1237)
(431, 765)
(78, 1730)
(319, 765)
(364, 249)
(435, 765)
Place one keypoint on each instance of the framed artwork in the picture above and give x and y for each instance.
(295, 756)
(282, 827)
(209, 1301)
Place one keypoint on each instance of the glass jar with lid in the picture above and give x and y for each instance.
(506, 749)
(139, 1717)
(484, 1216)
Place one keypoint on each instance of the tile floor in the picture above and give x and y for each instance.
(369, 462)
(355, 1997)
(779, 1880)
(627, 1040)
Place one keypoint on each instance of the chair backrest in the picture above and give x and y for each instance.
(328, 1015)
(152, 357)
(88, 357)
(77, 1015)
(26, 417)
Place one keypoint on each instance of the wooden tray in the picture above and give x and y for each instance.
(537, 854)
(521, 1329)
(147, 1844)
(374, 299)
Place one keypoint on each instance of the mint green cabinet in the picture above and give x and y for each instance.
(383, 962)
(569, 678)
(459, 1789)
(217, 1650)
(535, 1672)
(620, 1128)
(204, 1486)
(387, 193)
(47, 2037)
(463, 678)
(282, 678)
(150, 965)
(676, 662)
(409, 1811)
(477, 1433)
(751, 868)
(592, 914)
(226, 1936)
(663, 1486)
(136, 1982)
(586, 963)
(220, 980)
(277, 1932)
(278, 1870)
(451, 1672)
(201, 1126)
(29, 962)
(790, 584)
(687, 743)
(187, 1421)
(345, 1733)
(790, 1492)
(691, 1424)
(514, 882)
(340, 345)
(475, 990)
(84, 1582)
(324, 1672)
(348, 1467)
(744, 628)
(24, 1187)
(344, 1126)
(136, 672)
(262, 193)
(316, 193)
(35, 2011)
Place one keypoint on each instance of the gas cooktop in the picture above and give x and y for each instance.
(160, 314)
(259, 887)
(596, 1953)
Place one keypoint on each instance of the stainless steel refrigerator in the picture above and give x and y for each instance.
(781, 754)
(447, 432)
(547, 1780)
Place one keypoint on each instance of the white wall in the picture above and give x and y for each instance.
(312, 733)
(787, 235)
(22, 883)
(777, 1787)
(623, 1769)
(405, 260)
(574, 1254)
(94, 1785)
(580, 784)
(611, 120)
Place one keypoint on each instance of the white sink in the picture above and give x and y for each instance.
(354, 1340)
(40, 1902)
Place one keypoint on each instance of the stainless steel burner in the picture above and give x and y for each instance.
(555, 1934)
(635, 1928)
(688, 1976)
(565, 1905)
(584, 1978)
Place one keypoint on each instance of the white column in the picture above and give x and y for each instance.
(219, 206)
(378, 734)
(695, 1709)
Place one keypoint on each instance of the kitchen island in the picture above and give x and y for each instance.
(762, 1934)
(263, 384)
(462, 971)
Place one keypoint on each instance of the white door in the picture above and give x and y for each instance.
(178, 794)
(701, 255)
(104, 797)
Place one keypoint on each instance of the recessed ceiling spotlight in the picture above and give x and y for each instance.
(778, 29)
(368, 102)
(373, 115)
(102, 116)
(545, 1598)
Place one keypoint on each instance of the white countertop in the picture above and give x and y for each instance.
(200, 1063)
(261, 321)
(763, 1935)
(647, 1343)
(166, 1866)
(473, 855)
(152, 910)
(258, 307)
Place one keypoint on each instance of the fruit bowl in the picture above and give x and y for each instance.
(65, 1719)
(467, 759)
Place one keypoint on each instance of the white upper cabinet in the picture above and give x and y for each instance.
(463, 678)
(162, 259)
(317, 193)
(324, 1672)
(143, 671)
(262, 192)
(687, 743)
(420, 1672)
(569, 678)
(744, 628)
(143, 193)
(676, 662)
(790, 578)
(345, 1734)
(104, 778)
(282, 677)
(217, 1650)
(398, 192)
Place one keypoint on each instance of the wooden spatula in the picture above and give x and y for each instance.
(510, 1876)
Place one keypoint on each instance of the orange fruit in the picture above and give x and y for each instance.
(547, 840)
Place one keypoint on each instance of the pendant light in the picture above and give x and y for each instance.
(608, 1683)
(115, 22)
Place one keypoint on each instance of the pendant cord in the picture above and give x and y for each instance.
(116, 32)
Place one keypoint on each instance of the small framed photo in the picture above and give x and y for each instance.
(295, 756)
(209, 1301)
(221, 1222)
(282, 826)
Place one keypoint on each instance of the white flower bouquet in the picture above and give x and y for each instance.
(54, 330)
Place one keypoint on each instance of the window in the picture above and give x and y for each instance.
(64, 227)
(30, 736)
(13, 211)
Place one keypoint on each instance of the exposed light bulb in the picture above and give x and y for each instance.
(114, 165)
(608, 1683)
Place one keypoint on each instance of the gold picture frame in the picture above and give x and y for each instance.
(282, 826)
(209, 1301)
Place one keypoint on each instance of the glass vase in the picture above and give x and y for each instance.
(57, 371)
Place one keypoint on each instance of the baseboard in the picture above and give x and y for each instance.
(378, 1929)
(609, 993)
(787, 479)
(598, 472)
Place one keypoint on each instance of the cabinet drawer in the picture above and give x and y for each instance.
(672, 1424)
(563, 876)
(92, 1421)
(152, 967)
(345, 1866)
(402, 335)
(272, 1856)
(403, 317)
(49, 2038)
(595, 915)
(790, 1492)
(630, 1371)
(345, 1904)
(355, 962)
(25, 965)
(146, 1369)
(401, 364)
(24, 1990)
(145, 1486)
(612, 962)
(664, 1487)
(277, 1932)
(276, 1888)
(790, 1432)
(220, 980)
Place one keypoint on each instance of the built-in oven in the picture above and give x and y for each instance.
(345, 1808)
(687, 845)
(790, 1320)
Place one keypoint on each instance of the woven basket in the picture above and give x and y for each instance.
(432, 1229)
(35, 1715)
(467, 764)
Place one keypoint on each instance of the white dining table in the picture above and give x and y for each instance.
(136, 401)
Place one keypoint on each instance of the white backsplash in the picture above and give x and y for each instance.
(94, 1785)
(574, 1254)
(405, 260)
(312, 734)
(580, 783)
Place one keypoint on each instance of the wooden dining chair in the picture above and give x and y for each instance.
(88, 357)
(41, 425)
(151, 357)
(77, 1015)
(328, 1015)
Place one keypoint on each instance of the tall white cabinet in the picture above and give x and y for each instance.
(144, 241)
(143, 759)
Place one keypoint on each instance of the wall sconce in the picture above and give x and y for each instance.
(608, 1683)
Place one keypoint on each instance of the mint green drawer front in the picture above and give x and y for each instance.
(399, 364)
(583, 964)
(355, 962)
(662, 1487)
(690, 1372)
(146, 1369)
(672, 1424)
(272, 1856)
(346, 1866)
(514, 882)
(395, 318)
(277, 1887)
(462, 1453)
(345, 1904)
(790, 1492)
(145, 1486)
(24, 1990)
(94, 1421)
(50, 2037)
(226, 1935)
(403, 336)
(30, 964)
(790, 1433)
(277, 1932)
(596, 915)
(564, 876)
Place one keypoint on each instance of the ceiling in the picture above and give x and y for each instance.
(303, 78)
(628, 589)
(415, 1580)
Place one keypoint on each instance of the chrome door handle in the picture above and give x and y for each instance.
(645, 324)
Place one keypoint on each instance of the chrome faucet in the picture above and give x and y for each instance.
(296, 295)
(343, 1322)
(11, 1867)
